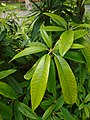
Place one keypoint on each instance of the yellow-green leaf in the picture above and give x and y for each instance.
(65, 42)
(35, 47)
(39, 81)
(67, 80)
(77, 46)
(53, 28)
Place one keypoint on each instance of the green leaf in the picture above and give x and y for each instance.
(48, 112)
(45, 37)
(1, 117)
(59, 20)
(82, 26)
(5, 73)
(14, 84)
(51, 86)
(67, 80)
(29, 74)
(77, 46)
(5, 112)
(86, 111)
(59, 103)
(39, 81)
(17, 114)
(35, 47)
(53, 28)
(65, 42)
(86, 51)
(79, 33)
(7, 91)
(66, 114)
(25, 110)
(87, 98)
(75, 56)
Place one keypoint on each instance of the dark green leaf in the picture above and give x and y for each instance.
(51, 86)
(75, 56)
(5, 112)
(48, 112)
(7, 91)
(25, 110)
(59, 20)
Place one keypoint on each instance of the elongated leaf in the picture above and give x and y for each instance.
(29, 74)
(86, 51)
(67, 80)
(7, 91)
(39, 81)
(75, 56)
(17, 114)
(1, 117)
(35, 47)
(82, 26)
(86, 109)
(25, 110)
(65, 42)
(59, 20)
(66, 114)
(77, 46)
(79, 33)
(48, 112)
(53, 28)
(5, 73)
(5, 112)
(51, 86)
(14, 84)
(87, 98)
(59, 103)
(46, 38)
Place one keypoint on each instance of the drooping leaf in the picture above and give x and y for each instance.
(7, 91)
(29, 74)
(25, 110)
(48, 112)
(79, 33)
(86, 51)
(59, 20)
(75, 56)
(5, 73)
(5, 111)
(87, 98)
(67, 80)
(51, 86)
(77, 46)
(35, 47)
(45, 37)
(65, 42)
(39, 81)
(53, 28)
(67, 115)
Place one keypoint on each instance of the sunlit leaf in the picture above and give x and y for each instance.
(67, 80)
(65, 42)
(39, 81)
(77, 46)
(35, 47)
(53, 28)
